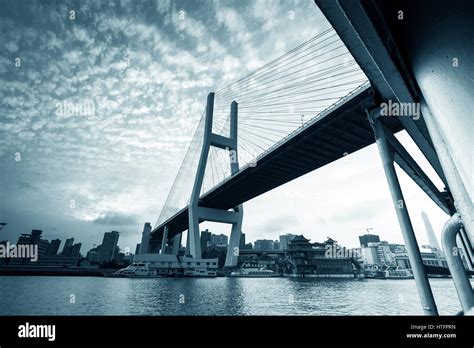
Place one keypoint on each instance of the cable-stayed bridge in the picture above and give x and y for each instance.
(322, 101)
(297, 113)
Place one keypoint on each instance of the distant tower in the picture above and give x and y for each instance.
(108, 248)
(68, 243)
(144, 245)
(429, 231)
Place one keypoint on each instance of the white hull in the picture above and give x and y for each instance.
(320, 275)
(254, 276)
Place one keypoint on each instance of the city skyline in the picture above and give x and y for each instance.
(209, 239)
(59, 171)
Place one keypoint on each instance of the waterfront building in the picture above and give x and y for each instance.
(285, 240)
(44, 261)
(93, 255)
(242, 241)
(72, 250)
(205, 239)
(370, 254)
(34, 238)
(108, 247)
(384, 252)
(76, 250)
(264, 244)
(402, 261)
(433, 257)
(128, 258)
(368, 238)
(309, 260)
(386, 255)
(220, 240)
(173, 265)
(248, 246)
(119, 257)
(397, 248)
(47, 252)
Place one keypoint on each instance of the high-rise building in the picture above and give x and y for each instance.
(205, 239)
(285, 240)
(220, 240)
(242, 242)
(265, 244)
(109, 246)
(384, 253)
(368, 238)
(93, 254)
(72, 250)
(76, 250)
(53, 247)
(248, 246)
(370, 254)
(68, 243)
(137, 249)
(34, 238)
(429, 231)
(146, 235)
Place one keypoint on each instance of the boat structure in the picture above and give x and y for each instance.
(387, 272)
(200, 272)
(165, 265)
(136, 270)
(398, 273)
(253, 270)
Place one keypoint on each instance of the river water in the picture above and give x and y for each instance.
(29, 295)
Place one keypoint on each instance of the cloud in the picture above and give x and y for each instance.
(147, 73)
(11, 47)
(115, 219)
(232, 20)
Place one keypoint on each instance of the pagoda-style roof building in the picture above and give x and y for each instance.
(310, 260)
(300, 243)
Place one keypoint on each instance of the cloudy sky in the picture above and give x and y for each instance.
(137, 74)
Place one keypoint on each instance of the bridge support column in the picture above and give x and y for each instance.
(387, 155)
(234, 241)
(198, 214)
(187, 250)
(164, 241)
(176, 244)
(236, 232)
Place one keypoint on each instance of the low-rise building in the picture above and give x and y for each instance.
(173, 265)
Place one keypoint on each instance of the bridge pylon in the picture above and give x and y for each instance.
(198, 213)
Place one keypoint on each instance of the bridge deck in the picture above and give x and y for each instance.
(343, 129)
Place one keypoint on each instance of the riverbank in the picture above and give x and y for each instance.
(54, 271)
